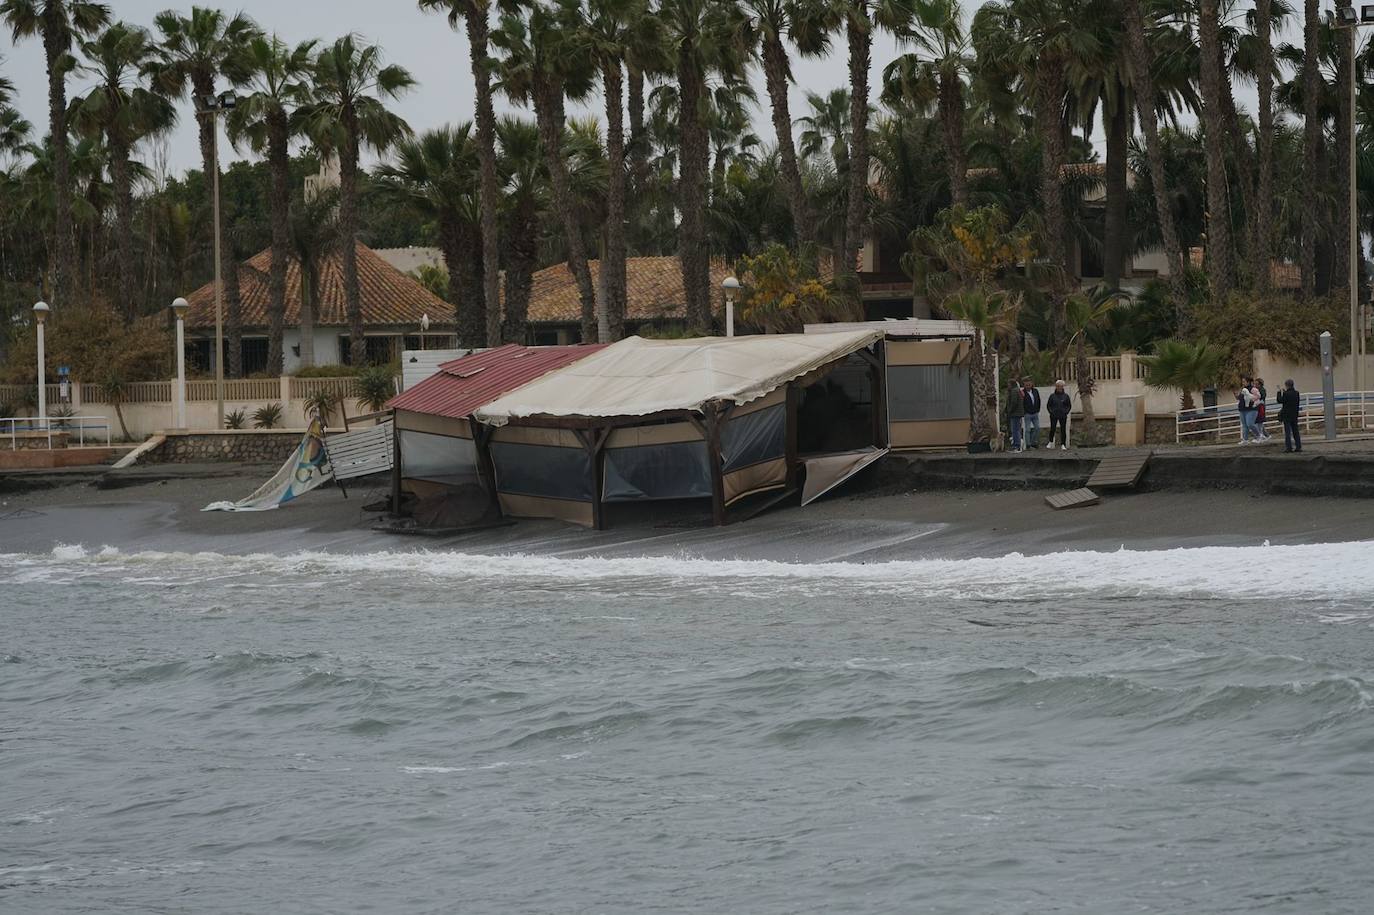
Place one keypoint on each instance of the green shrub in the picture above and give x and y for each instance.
(1246, 322)
(374, 386)
(268, 417)
(235, 419)
(323, 403)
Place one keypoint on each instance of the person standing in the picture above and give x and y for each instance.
(1016, 415)
(1290, 405)
(1030, 399)
(1262, 395)
(1059, 405)
(1245, 407)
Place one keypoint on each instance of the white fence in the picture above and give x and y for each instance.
(76, 427)
(1354, 410)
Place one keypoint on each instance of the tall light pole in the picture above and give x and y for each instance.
(179, 306)
(212, 106)
(1345, 17)
(40, 315)
(731, 286)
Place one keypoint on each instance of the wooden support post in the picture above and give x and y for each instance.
(595, 443)
(486, 468)
(793, 460)
(880, 431)
(395, 466)
(717, 464)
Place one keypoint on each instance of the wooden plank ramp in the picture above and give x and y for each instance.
(1074, 498)
(1120, 471)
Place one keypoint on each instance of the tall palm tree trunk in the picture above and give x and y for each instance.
(548, 116)
(1340, 236)
(951, 113)
(310, 281)
(229, 268)
(775, 77)
(1214, 137)
(279, 164)
(860, 37)
(475, 18)
(613, 265)
(120, 174)
(64, 243)
(1141, 60)
(1114, 235)
(1264, 191)
(1049, 118)
(692, 167)
(465, 284)
(639, 141)
(348, 237)
(1312, 138)
(522, 254)
(1243, 157)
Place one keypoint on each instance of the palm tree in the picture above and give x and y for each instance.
(14, 130)
(1142, 66)
(542, 66)
(707, 36)
(1184, 366)
(992, 314)
(1085, 312)
(265, 120)
(1264, 140)
(935, 72)
(773, 20)
(1040, 40)
(608, 30)
(1219, 269)
(473, 15)
(436, 174)
(827, 128)
(123, 111)
(314, 236)
(1312, 138)
(59, 23)
(349, 113)
(198, 51)
(526, 202)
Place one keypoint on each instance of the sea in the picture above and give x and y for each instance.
(1180, 731)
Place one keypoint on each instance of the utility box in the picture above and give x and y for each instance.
(1130, 420)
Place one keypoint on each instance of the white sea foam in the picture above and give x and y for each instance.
(1301, 571)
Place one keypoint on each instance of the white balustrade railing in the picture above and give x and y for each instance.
(1354, 410)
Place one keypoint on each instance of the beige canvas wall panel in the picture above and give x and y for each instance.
(434, 425)
(537, 507)
(924, 352)
(755, 478)
(934, 433)
(534, 435)
(423, 489)
(639, 436)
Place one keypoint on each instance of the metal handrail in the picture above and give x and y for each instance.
(1354, 408)
(50, 424)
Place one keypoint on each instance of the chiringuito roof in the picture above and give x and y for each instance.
(653, 290)
(388, 296)
(463, 385)
(639, 377)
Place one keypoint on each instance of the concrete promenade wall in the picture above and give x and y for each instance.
(238, 446)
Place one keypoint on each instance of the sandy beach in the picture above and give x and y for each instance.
(165, 515)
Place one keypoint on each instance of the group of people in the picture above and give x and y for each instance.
(1251, 404)
(1022, 413)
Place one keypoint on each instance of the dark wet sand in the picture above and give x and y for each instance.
(166, 516)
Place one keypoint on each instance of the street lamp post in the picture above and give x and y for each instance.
(731, 286)
(212, 106)
(179, 306)
(1345, 17)
(40, 315)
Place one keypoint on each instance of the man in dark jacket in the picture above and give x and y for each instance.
(1290, 404)
(1059, 406)
(1030, 399)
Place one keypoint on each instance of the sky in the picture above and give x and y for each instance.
(422, 42)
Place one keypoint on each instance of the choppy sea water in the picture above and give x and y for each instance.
(1182, 731)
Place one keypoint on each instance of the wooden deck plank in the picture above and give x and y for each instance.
(1120, 470)
(1074, 498)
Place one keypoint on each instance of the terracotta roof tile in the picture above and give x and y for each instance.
(653, 290)
(389, 297)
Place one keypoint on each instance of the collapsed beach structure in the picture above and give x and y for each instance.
(568, 432)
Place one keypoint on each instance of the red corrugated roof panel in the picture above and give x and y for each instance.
(463, 385)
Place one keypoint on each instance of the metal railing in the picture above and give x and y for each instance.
(1354, 410)
(47, 427)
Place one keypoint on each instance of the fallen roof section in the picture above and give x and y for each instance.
(463, 385)
(639, 377)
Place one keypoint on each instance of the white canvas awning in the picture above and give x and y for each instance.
(639, 377)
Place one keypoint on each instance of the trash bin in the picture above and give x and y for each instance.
(1209, 400)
